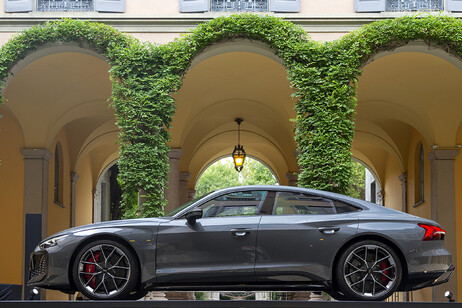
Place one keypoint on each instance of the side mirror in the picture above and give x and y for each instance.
(193, 215)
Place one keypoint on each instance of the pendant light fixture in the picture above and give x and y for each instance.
(238, 153)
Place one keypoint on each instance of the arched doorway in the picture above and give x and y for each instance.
(221, 173)
(242, 79)
(108, 195)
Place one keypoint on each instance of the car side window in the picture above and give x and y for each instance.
(242, 203)
(290, 203)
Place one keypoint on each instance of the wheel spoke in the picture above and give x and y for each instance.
(121, 267)
(99, 285)
(351, 264)
(92, 277)
(94, 259)
(383, 259)
(386, 276)
(354, 272)
(361, 280)
(375, 281)
(360, 258)
(118, 261)
(110, 255)
(104, 285)
(104, 256)
(113, 281)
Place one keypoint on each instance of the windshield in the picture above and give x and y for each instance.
(179, 209)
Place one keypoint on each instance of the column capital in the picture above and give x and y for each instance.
(185, 176)
(403, 178)
(442, 154)
(34, 153)
(74, 177)
(292, 177)
(175, 153)
(191, 193)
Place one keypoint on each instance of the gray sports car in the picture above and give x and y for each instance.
(271, 238)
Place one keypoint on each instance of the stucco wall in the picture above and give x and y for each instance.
(12, 198)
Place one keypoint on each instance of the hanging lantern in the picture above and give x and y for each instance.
(238, 153)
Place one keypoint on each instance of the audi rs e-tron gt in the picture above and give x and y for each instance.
(270, 238)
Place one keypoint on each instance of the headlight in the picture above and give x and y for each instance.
(52, 241)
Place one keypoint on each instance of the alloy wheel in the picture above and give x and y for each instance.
(104, 270)
(370, 271)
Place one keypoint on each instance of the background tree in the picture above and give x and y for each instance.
(222, 174)
(358, 181)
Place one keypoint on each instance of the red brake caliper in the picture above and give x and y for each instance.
(90, 268)
(384, 265)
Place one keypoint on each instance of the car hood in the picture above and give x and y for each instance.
(113, 223)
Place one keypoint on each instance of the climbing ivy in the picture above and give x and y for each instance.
(323, 77)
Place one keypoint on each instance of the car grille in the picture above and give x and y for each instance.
(38, 267)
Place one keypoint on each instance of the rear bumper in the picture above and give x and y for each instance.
(428, 279)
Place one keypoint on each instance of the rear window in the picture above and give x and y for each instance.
(290, 203)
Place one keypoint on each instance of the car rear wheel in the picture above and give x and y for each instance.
(368, 270)
(106, 270)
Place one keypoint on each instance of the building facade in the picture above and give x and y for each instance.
(59, 138)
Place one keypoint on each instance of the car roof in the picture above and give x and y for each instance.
(360, 203)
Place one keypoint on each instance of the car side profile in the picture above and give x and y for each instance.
(261, 238)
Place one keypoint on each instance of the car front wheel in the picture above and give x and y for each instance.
(106, 270)
(368, 270)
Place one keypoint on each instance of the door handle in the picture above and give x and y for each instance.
(328, 230)
(240, 232)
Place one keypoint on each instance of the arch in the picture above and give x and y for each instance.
(236, 45)
(390, 35)
(51, 49)
(422, 47)
(57, 36)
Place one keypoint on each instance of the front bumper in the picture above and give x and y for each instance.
(48, 269)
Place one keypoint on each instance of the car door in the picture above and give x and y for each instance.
(218, 248)
(298, 242)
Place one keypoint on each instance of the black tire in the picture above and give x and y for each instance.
(136, 295)
(337, 295)
(106, 270)
(368, 270)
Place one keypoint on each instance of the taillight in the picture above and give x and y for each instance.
(432, 232)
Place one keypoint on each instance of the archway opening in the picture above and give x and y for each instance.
(365, 183)
(221, 174)
(108, 195)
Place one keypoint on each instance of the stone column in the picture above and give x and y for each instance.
(184, 180)
(173, 190)
(74, 178)
(191, 194)
(35, 203)
(293, 178)
(443, 207)
(403, 179)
